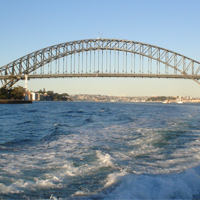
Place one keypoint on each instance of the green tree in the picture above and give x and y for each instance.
(40, 91)
(4, 93)
(55, 96)
(17, 92)
(51, 95)
(65, 95)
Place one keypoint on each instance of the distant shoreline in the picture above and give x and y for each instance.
(9, 101)
(133, 102)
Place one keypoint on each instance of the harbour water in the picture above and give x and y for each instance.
(93, 150)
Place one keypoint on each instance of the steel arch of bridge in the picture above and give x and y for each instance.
(183, 67)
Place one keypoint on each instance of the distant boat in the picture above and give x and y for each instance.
(179, 101)
(166, 101)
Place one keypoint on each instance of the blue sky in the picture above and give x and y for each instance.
(30, 25)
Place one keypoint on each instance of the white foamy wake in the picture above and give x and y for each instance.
(180, 186)
(19, 185)
(105, 159)
(8, 189)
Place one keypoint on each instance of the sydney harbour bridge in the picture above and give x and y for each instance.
(100, 58)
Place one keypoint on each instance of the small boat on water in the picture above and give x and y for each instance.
(166, 101)
(179, 100)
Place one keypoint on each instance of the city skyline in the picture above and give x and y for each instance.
(169, 24)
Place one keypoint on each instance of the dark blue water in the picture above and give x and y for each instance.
(93, 150)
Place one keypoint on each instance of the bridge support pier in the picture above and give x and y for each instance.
(26, 87)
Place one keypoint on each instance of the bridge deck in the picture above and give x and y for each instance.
(126, 75)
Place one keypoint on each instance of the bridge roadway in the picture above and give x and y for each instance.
(103, 75)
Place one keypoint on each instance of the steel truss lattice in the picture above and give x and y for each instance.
(101, 58)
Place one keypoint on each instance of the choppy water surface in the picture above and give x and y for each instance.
(87, 150)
